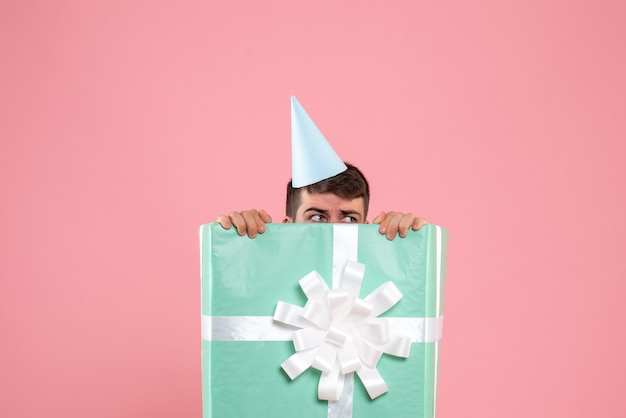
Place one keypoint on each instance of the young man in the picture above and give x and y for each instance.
(343, 198)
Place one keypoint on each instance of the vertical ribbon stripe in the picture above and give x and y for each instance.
(345, 247)
(438, 266)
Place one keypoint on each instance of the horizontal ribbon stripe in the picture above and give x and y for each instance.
(264, 328)
(244, 328)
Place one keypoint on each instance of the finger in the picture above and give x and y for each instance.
(224, 221)
(258, 220)
(250, 218)
(418, 223)
(239, 222)
(393, 224)
(264, 216)
(406, 222)
(384, 219)
(380, 218)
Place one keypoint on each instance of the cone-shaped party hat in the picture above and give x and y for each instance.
(312, 157)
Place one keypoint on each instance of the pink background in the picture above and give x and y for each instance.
(126, 125)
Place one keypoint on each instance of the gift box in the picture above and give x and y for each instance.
(249, 349)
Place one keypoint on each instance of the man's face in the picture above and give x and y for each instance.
(328, 208)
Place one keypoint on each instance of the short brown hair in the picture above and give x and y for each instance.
(349, 184)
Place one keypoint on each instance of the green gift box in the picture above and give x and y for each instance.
(243, 347)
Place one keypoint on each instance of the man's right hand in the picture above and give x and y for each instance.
(251, 222)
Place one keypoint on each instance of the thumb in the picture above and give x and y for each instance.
(380, 218)
(264, 216)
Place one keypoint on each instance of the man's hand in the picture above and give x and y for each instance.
(398, 222)
(250, 221)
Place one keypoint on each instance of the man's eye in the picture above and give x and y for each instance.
(349, 220)
(318, 218)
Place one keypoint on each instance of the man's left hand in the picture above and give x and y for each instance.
(392, 223)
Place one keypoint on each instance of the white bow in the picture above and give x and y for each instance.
(341, 333)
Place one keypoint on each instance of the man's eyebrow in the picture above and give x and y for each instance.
(315, 210)
(350, 212)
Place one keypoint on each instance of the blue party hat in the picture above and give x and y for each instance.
(312, 157)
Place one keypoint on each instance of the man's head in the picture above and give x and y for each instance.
(342, 198)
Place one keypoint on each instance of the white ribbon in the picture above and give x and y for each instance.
(263, 328)
(339, 333)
